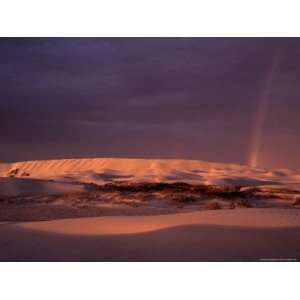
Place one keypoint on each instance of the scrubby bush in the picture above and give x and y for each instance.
(231, 205)
(213, 205)
(184, 198)
(243, 203)
(297, 202)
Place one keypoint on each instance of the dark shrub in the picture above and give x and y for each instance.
(213, 205)
(184, 199)
(243, 203)
(231, 205)
(297, 202)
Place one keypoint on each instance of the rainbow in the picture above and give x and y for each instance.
(261, 113)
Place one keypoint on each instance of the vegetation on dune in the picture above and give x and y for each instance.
(297, 202)
(213, 205)
(213, 191)
(243, 203)
(172, 196)
(180, 193)
(177, 187)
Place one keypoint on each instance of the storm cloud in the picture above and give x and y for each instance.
(147, 97)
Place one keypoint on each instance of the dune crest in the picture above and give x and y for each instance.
(101, 170)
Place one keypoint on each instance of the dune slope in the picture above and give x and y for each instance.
(254, 218)
(101, 170)
(255, 234)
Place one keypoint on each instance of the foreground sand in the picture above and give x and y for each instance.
(224, 235)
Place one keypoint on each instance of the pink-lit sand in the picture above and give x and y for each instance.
(241, 234)
(226, 235)
(100, 170)
(108, 225)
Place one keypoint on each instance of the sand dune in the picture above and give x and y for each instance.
(210, 236)
(101, 170)
(20, 186)
(226, 234)
(254, 218)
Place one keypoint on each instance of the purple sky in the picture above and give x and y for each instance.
(190, 98)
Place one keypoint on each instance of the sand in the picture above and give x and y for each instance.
(101, 170)
(108, 225)
(241, 234)
(226, 235)
(19, 186)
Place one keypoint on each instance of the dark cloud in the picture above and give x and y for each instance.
(146, 97)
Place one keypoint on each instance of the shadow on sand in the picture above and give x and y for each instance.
(182, 243)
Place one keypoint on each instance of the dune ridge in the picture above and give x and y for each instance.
(101, 170)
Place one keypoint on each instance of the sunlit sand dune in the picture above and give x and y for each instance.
(101, 170)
